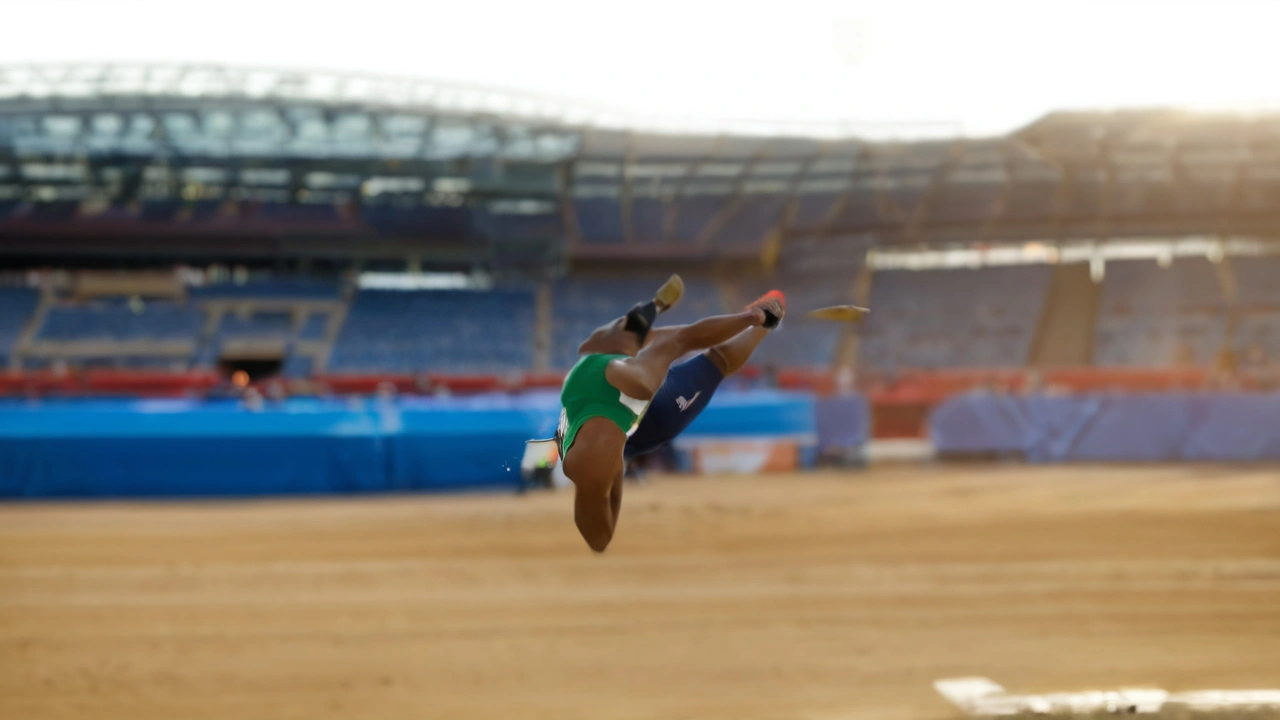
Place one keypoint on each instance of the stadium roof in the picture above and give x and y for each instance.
(197, 81)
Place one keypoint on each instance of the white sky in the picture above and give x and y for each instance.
(982, 66)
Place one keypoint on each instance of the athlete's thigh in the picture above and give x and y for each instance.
(654, 361)
(633, 379)
(685, 391)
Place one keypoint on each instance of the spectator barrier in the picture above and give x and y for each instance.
(179, 447)
(1112, 428)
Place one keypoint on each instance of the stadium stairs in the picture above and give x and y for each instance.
(847, 352)
(542, 328)
(1064, 337)
(30, 329)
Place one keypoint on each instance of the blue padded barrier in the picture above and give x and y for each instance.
(757, 413)
(843, 422)
(170, 448)
(1112, 428)
(186, 448)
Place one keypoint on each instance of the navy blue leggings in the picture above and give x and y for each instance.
(685, 391)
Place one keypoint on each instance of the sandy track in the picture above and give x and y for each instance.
(822, 596)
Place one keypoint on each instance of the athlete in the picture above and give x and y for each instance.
(626, 368)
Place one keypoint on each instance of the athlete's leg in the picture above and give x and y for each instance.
(641, 376)
(686, 390)
(689, 386)
(731, 355)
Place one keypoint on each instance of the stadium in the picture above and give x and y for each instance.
(266, 334)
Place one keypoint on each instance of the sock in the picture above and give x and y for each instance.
(640, 318)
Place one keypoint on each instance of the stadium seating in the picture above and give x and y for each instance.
(1158, 317)
(647, 218)
(439, 330)
(298, 366)
(314, 327)
(1158, 340)
(812, 210)
(16, 306)
(694, 213)
(300, 288)
(752, 219)
(522, 226)
(953, 318)
(1257, 281)
(859, 211)
(599, 220)
(1149, 315)
(440, 223)
(1188, 285)
(117, 320)
(1257, 339)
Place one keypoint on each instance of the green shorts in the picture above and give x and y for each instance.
(587, 394)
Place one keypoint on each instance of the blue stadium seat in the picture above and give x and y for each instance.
(693, 213)
(538, 226)
(953, 318)
(300, 288)
(1257, 281)
(314, 327)
(1257, 338)
(297, 366)
(115, 320)
(436, 330)
(440, 223)
(860, 210)
(647, 216)
(599, 220)
(1160, 317)
(812, 210)
(754, 217)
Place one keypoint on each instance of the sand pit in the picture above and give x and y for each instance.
(815, 596)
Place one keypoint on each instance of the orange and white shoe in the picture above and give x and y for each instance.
(774, 304)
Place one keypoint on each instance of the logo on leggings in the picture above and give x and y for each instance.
(684, 404)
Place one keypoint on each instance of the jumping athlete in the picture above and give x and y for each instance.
(624, 398)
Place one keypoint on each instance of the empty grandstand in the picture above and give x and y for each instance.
(132, 171)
